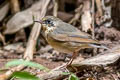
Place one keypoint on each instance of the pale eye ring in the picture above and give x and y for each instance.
(49, 22)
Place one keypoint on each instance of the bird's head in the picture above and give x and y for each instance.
(49, 22)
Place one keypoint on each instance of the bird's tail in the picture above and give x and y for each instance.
(98, 46)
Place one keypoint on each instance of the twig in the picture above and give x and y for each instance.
(93, 20)
(54, 74)
(93, 25)
(99, 7)
(9, 73)
(34, 34)
(15, 6)
(32, 41)
(77, 15)
(2, 38)
(55, 9)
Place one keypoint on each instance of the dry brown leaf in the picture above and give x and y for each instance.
(16, 47)
(4, 10)
(22, 19)
(19, 21)
(45, 49)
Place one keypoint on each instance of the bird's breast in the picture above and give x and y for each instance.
(60, 46)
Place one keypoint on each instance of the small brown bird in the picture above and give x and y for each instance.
(65, 38)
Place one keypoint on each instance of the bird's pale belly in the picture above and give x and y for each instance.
(64, 47)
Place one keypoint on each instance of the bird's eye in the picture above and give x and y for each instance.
(47, 22)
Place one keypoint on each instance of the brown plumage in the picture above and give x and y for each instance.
(66, 38)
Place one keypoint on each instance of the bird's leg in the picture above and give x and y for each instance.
(71, 60)
(73, 57)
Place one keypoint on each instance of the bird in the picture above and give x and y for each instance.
(66, 38)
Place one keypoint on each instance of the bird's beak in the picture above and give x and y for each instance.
(39, 22)
(42, 23)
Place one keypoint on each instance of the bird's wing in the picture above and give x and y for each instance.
(67, 32)
(77, 36)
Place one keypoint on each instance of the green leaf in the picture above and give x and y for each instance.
(66, 73)
(24, 76)
(26, 63)
(73, 77)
